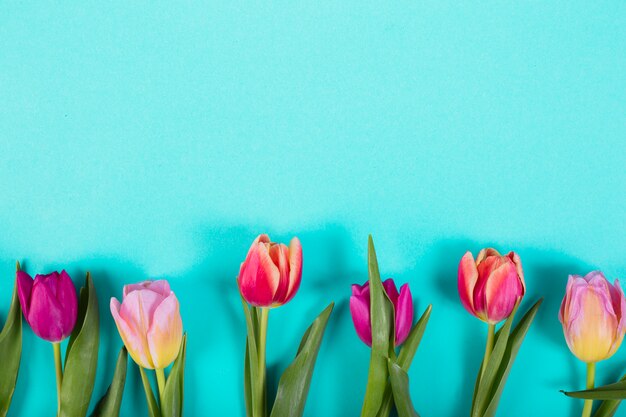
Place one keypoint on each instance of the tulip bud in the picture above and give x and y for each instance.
(149, 323)
(402, 306)
(49, 304)
(491, 286)
(271, 273)
(592, 316)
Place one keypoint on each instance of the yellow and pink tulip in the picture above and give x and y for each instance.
(592, 315)
(149, 322)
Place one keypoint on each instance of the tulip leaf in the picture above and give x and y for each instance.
(400, 387)
(109, 405)
(608, 408)
(82, 355)
(407, 352)
(491, 368)
(507, 343)
(251, 362)
(513, 346)
(247, 388)
(615, 391)
(10, 352)
(172, 400)
(153, 407)
(381, 311)
(293, 386)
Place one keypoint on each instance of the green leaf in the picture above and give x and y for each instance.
(407, 352)
(153, 407)
(514, 343)
(109, 405)
(10, 351)
(381, 317)
(251, 362)
(81, 358)
(293, 386)
(608, 408)
(172, 401)
(247, 384)
(616, 391)
(491, 368)
(400, 387)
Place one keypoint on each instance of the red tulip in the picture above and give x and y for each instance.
(490, 286)
(271, 273)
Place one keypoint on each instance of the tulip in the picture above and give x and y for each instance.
(269, 277)
(592, 316)
(402, 306)
(491, 285)
(50, 307)
(149, 322)
(271, 273)
(49, 304)
(593, 323)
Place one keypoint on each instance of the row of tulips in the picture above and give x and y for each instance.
(491, 287)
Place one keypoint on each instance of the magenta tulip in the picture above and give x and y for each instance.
(592, 316)
(271, 273)
(402, 305)
(491, 285)
(149, 322)
(49, 304)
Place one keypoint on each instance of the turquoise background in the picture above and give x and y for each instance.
(151, 140)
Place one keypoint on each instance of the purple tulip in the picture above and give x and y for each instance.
(49, 304)
(402, 305)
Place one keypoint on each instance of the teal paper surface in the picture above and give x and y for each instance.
(153, 140)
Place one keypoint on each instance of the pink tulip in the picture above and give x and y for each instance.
(490, 286)
(49, 304)
(592, 316)
(271, 273)
(149, 323)
(402, 305)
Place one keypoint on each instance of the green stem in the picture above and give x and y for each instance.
(261, 385)
(591, 376)
(146, 386)
(491, 330)
(160, 374)
(58, 364)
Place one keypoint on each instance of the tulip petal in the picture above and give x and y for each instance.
(566, 298)
(404, 314)
(467, 278)
(280, 258)
(166, 333)
(138, 309)
(485, 253)
(135, 342)
(514, 257)
(24, 290)
(361, 290)
(66, 296)
(45, 315)
(502, 290)
(360, 311)
(392, 292)
(160, 286)
(592, 334)
(258, 277)
(619, 304)
(295, 268)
